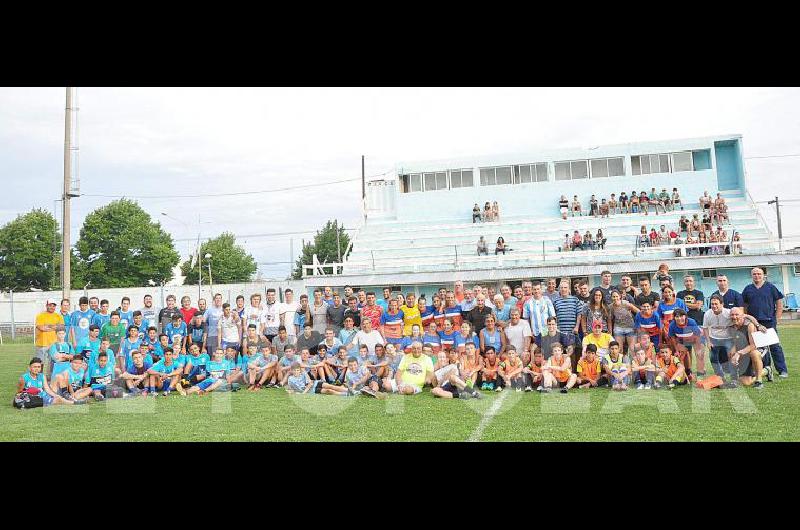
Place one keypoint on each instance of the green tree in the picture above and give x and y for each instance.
(120, 246)
(230, 263)
(28, 248)
(324, 246)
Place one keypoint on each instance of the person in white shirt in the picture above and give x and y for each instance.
(287, 311)
(368, 337)
(252, 314)
(518, 332)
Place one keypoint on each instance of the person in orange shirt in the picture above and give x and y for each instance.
(670, 370)
(458, 291)
(511, 370)
(470, 364)
(557, 371)
(533, 372)
(588, 369)
(643, 369)
(46, 323)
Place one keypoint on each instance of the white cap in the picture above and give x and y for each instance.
(51, 301)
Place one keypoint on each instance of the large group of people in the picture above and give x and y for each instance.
(459, 342)
(635, 203)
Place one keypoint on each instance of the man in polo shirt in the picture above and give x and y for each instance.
(567, 308)
(46, 323)
(730, 297)
(477, 315)
(467, 303)
(552, 292)
(536, 311)
(764, 302)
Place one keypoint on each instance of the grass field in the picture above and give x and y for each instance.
(273, 415)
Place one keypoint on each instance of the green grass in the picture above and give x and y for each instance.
(272, 415)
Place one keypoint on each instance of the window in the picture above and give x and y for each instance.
(616, 167)
(797, 269)
(435, 181)
(662, 163)
(416, 182)
(524, 173)
(709, 273)
(461, 178)
(607, 167)
(493, 176)
(576, 169)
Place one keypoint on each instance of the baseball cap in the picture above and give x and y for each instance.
(51, 301)
(597, 324)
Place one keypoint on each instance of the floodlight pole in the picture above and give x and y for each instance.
(780, 228)
(65, 213)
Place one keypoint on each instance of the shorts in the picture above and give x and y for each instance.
(445, 371)
(624, 332)
(447, 387)
(205, 383)
(317, 388)
(746, 368)
(396, 388)
(564, 210)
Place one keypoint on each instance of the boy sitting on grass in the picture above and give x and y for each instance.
(299, 382)
(262, 367)
(511, 370)
(533, 372)
(359, 380)
(644, 371)
(589, 373)
(165, 374)
(670, 370)
(217, 369)
(135, 378)
(615, 367)
(557, 371)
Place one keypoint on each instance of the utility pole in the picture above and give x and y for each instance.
(780, 229)
(291, 257)
(363, 190)
(65, 217)
(338, 246)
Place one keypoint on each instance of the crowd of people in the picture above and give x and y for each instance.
(635, 203)
(584, 242)
(491, 212)
(500, 247)
(459, 343)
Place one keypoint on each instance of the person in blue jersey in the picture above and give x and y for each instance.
(90, 342)
(686, 337)
(448, 336)
(235, 372)
(176, 332)
(648, 321)
(135, 377)
(492, 336)
(262, 367)
(464, 336)
(163, 342)
(69, 383)
(100, 378)
(197, 333)
(338, 365)
(138, 321)
(432, 339)
(165, 374)
(361, 380)
(347, 336)
(149, 340)
(102, 317)
(667, 306)
(416, 336)
(425, 312)
(132, 342)
(60, 353)
(764, 302)
(125, 312)
(216, 379)
(378, 363)
(34, 382)
(194, 370)
(91, 356)
(298, 382)
(79, 322)
(285, 363)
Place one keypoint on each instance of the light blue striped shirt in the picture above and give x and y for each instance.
(537, 312)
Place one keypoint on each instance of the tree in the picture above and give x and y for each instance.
(230, 263)
(120, 246)
(324, 246)
(28, 248)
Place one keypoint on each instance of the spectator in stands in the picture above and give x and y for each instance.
(661, 200)
(719, 210)
(702, 242)
(665, 200)
(644, 202)
(487, 212)
(577, 241)
(495, 211)
(482, 248)
(644, 241)
(737, 245)
(567, 244)
(683, 224)
(705, 201)
(714, 250)
(576, 206)
(563, 206)
(623, 202)
(691, 247)
(695, 226)
(663, 236)
(593, 206)
(603, 208)
(634, 202)
(673, 236)
(588, 242)
(612, 204)
(654, 240)
(600, 240)
(676, 198)
(501, 246)
(476, 213)
(706, 222)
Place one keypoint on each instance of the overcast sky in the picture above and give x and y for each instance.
(167, 141)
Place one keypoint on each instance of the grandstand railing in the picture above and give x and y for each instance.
(453, 260)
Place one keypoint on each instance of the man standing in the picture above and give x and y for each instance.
(166, 314)
(353, 312)
(508, 298)
(605, 286)
(693, 299)
(477, 315)
(80, 321)
(46, 323)
(453, 311)
(551, 292)
(66, 315)
(187, 311)
(288, 310)
(518, 333)
(527, 292)
(626, 286)
(252, 314)
(567, 308)
(536, 311)
(730, 297)
(583, 292)
(328, 295)
(270, 316)
(211, 316)
(372, 311)
(149, 313)
(335, 314)
(458, 291)
(467, 303)
(384, 303)
(764, 302)
(646, 294)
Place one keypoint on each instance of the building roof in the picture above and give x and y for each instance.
(589, 269)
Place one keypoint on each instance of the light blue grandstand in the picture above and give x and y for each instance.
(418, 233)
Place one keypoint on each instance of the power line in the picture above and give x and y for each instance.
(772, 156)
(272, 234)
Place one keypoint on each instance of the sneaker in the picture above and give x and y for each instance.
(528, 389)
(166, 393)
(769, 373)
(464, 395)
(540, 388)
(545, 390)
(476, 395)
(83, 401)
(730, 384)
(498, 389)
(784, 375)
(671, 386)
(657, 385)
(647, 386)
(179, 388)
(758, 385)
(99, 397)
(368, 392)
(640, 387)
(564, 390)
(518, 389)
